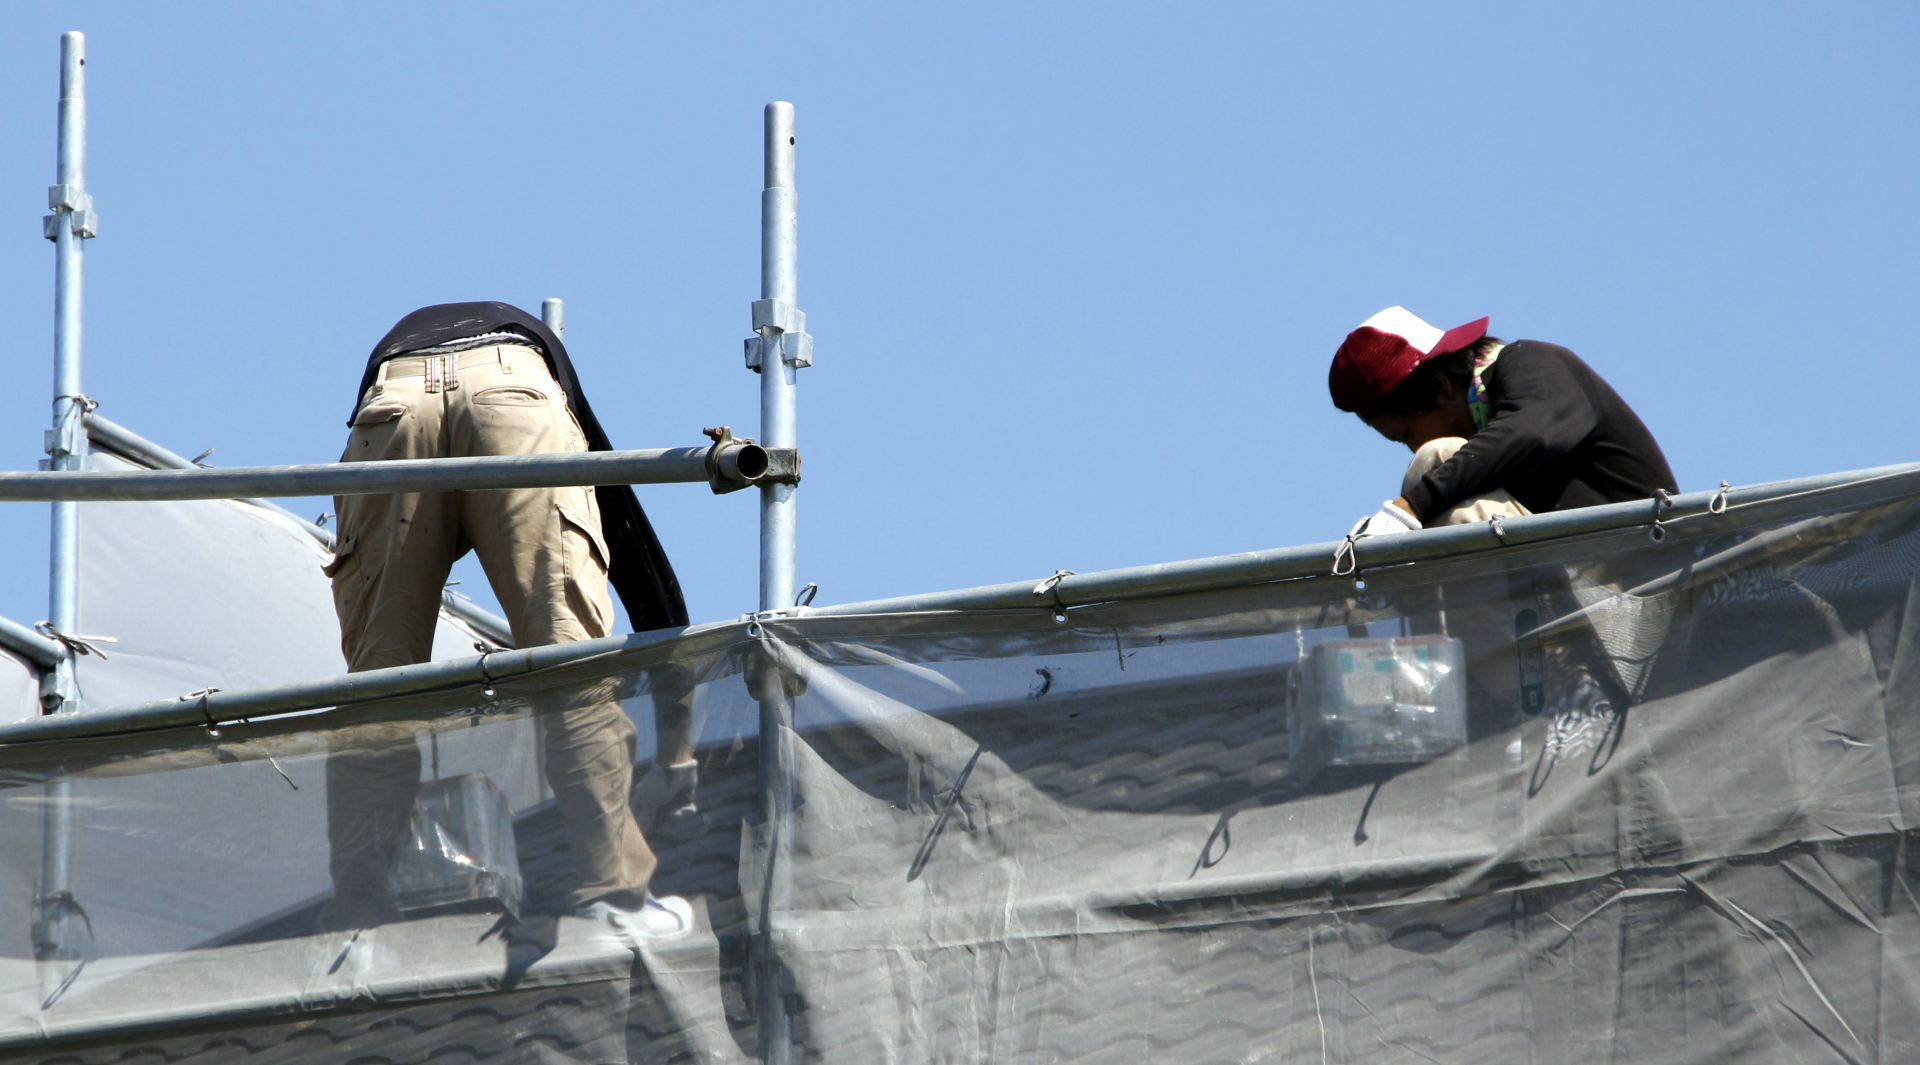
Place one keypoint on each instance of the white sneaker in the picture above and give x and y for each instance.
(657, 918)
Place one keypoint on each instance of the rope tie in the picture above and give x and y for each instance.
(1345, 551)
(1718, 504)
(75, 644)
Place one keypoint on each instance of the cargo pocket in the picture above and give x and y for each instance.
(379, 414)
(585, 552)
(373, 430)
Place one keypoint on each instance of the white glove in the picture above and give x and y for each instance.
(1388, 521)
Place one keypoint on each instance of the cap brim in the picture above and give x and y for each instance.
(1459, 337)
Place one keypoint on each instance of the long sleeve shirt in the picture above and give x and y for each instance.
(1557, 437)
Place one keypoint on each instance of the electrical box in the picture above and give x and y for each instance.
(1380, 701)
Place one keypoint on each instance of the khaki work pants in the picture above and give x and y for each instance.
(546, 559)
(1497, 503)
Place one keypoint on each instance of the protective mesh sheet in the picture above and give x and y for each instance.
(1677, 826)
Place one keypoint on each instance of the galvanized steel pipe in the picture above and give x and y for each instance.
(111, 436)
(674, 465)
(30, 645)
(220, 708)
(71, 223)
(779, 288)
(779, 280)
(1370, 553)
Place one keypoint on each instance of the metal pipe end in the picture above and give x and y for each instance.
(779, 145)
(73, 60)
(732, 466)
(750, 462)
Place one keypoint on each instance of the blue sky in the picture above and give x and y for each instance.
(1075, 271)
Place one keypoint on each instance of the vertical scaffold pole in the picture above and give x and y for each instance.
(779, 349)
(553, 314)
(778, 321)
(71, 223)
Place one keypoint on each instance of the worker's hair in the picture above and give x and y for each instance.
(1420, 392)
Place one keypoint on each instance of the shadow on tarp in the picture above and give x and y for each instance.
(1678, 828)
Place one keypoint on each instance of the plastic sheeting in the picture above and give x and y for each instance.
(1679, 829)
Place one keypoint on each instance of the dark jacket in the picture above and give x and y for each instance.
(638, 570)
(1557, 437)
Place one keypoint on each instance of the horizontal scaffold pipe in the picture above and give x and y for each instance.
(1082, 589)
(654, 466)
(225, 708)
(30, 645)
(1368, 553)
(120, 440)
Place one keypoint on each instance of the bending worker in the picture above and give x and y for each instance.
(466, 379)
(1496, 429)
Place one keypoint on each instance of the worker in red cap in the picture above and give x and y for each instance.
(1523, 427)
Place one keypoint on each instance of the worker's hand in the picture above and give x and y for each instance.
(1392, 518)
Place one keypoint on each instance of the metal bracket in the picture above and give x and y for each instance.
(66, 439)
(86, 225)
(796, 350)
(790, 323)
(775, 314)
(76, 205)
(736, 462)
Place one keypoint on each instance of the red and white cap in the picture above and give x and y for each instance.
(1376, 357)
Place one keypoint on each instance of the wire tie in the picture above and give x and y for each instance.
(1499, 530)
(805, 598)
(214, 733)
(486, 677)
(75, 644)
(88, 404)
(1718, 504)
(69, 904)
(1661, 500)
(1052, 584)
(213, 727)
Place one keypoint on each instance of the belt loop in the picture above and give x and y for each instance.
(506, 361)
(380, 382)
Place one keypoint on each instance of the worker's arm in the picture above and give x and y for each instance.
(1541, 414)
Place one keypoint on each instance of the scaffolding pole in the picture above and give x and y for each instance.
(71, 223)
(726, 466)
(779, 348)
